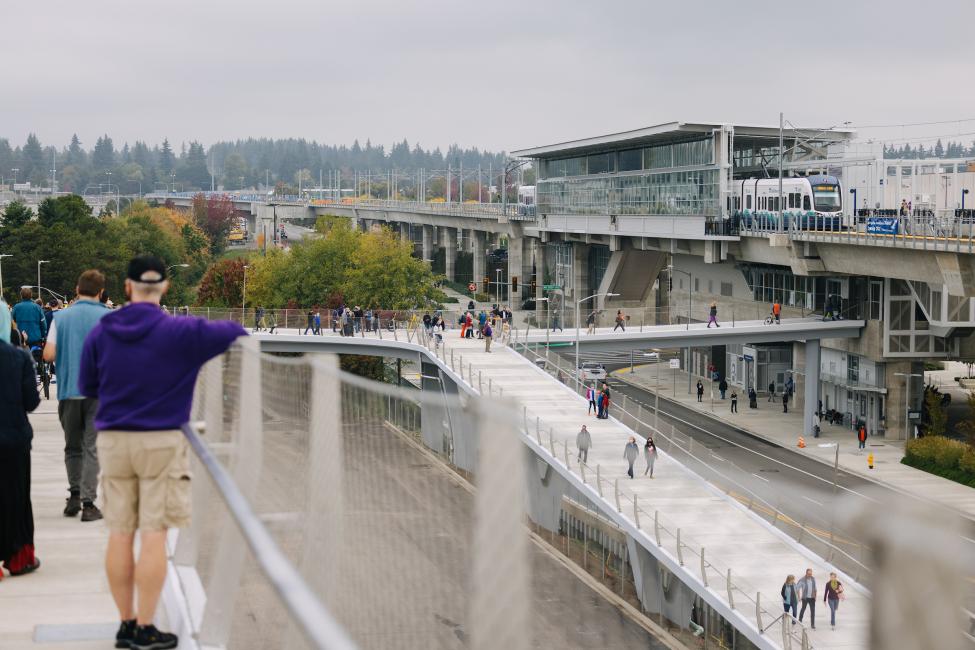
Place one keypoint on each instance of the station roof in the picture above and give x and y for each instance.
(678, 131)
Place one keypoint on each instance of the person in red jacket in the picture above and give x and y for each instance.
(862, 436)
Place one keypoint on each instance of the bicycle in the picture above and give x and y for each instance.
(43, 369)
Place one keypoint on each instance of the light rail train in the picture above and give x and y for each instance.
(808, 203)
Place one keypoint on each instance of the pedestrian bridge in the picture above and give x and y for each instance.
(699, 334)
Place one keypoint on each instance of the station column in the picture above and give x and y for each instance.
(480, 258)
(811, 392)
(404, 232)
(449, 239)
(427, 243)
(516, 266)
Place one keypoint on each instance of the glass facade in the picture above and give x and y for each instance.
(612, 182)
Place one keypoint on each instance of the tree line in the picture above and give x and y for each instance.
(939, 150)
(248, 163)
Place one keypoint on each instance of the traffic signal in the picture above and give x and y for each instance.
(487, 285)
(670, 283)
(533, 287)
(514, 283)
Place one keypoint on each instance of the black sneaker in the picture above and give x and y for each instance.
(147, 637)
(90, 512)
(125, 634)
(73, 505)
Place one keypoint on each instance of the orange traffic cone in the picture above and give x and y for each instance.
(802, 442)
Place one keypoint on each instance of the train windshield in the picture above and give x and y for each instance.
(826, 197)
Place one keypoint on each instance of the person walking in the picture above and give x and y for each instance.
(309, 322)
(734, 402)
(785, 401)
(777, 312)
(591, 396)
(700, 390)
(258, 317)
(790, 596)
(591, 322)
(722, 387)
(620, 320)
(469, 331)
(713, 315)
(557, 321)
(831, 596)
(318, 323)
(605, 402)
(29, 318)
(142, 367)
(649, 455)
(488, 335)
(790, 386)
(18, 397)
(771, 391)
(630, 453)
(752, 398)
(807, 594)
(76, 412)
(583, 442)
(862, 436)
(815, 425)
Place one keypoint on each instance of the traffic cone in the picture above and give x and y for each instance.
(802, 442)
(870, 460)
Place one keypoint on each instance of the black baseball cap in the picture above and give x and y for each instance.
(148, 269)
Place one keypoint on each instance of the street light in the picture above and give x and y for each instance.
(907, 399)
(2, 255)
(243, 302)
(578, 305)
(690, 286)
(39, 262)
(853, 212)
(963, 193)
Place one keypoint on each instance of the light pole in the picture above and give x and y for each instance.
(963, 193)
(853, 211)
(498, 285)
(243, 300)
(39, 262)
(578, 305)
(690, 286)
(2, 255)
(907, 400)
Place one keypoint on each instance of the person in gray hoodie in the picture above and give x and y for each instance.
(583, 442)
(650, 455)
(807, 593)
(630, 454)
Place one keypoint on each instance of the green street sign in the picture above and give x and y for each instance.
(551, 287)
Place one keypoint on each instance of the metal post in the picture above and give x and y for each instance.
(758, 611)
(731, 602)
(781, 148)
(599, 481)
(565, 445)
(636, 513)
(616, 489)
(551, 442)
(680, 550)
(656, 526)
(704, 573)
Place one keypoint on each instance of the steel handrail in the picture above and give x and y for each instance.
(317, 624)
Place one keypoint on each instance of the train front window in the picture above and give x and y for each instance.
(826, 198)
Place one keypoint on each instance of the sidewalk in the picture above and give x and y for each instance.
(64, 605)
(770, 423)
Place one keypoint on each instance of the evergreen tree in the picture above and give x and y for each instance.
(103, 156)
(166, 160)
(76, 155)
(32, 166)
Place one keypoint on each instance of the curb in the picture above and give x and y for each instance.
(758, 436)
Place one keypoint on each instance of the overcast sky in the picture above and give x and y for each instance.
(497, 75)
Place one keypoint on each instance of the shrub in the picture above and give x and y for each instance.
(949, 453)
(924, 448)
(967, 461)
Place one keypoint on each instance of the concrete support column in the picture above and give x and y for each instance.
(449, 238)
(427, 243)
(811, 393)
(516, 265)
(580, 284)
(404, 232)
(478, 251)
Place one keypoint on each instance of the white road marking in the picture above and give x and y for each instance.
(761, 477)
(812, 500)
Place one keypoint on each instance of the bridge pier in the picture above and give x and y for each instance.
(479, 253)
(516, 267)
(449, 240)
(427, 243)
(811, 392)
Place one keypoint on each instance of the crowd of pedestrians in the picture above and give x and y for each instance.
(805, 592)
(125, 381)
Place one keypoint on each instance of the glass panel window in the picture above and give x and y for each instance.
(602, 163)
(630, 160)
(575, 166)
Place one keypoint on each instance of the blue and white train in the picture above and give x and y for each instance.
(808, 203)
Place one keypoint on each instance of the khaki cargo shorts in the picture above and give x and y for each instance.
(145, 479)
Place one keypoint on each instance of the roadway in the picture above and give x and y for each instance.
(800, 487)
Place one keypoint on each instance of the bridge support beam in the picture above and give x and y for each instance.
(480, 257)
(811, 392)
(449, 240)
(427, 243)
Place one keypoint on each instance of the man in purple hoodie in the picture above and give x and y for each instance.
(141, 365)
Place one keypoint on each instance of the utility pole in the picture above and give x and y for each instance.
(781, 155)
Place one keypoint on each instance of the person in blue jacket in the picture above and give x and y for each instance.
(30, 317)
